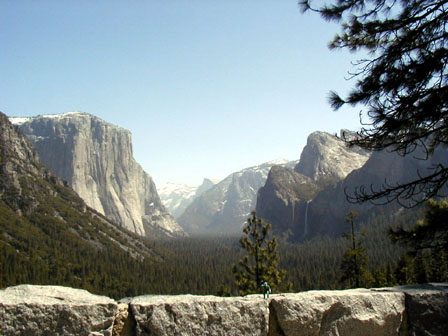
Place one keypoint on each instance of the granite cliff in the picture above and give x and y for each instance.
(286, 197)
(96, 159)
(400, 311)
(329, 207)
(40, 213)
(327, 159)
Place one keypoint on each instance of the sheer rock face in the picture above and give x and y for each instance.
(327, 157)
(285, 199)
(96, 159)
(395, 311)
(26, 186)
(19, 159)
(330, 206)
(55, 310)
(17, 155)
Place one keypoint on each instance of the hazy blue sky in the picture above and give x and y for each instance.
(206, 87)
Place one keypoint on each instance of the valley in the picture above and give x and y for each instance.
(146, 249)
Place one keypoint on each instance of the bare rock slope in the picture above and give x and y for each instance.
(96, 159)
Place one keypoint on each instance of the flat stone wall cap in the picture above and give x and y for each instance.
(416, 289)
(49, 295)
(172, 299)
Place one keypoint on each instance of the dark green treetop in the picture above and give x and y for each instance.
(427, 242)
(431, 232)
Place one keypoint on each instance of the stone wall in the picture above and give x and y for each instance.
(55, 310)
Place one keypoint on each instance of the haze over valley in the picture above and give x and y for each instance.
(218, 149)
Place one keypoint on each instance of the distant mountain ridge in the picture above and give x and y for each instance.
(224, 208)
(177, 197)
(96, 159)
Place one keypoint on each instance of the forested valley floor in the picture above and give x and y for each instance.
(203, 265)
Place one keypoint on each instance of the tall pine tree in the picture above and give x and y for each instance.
(354, 261)
(261, 262)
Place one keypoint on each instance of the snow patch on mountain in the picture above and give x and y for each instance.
(177, 197)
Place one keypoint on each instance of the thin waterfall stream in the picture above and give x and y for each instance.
(305, 227)
(293, 205)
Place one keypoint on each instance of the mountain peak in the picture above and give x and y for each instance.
(326, 156)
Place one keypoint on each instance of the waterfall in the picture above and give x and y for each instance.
(305, 226)
(293, 205)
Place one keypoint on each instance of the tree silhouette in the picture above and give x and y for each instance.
(354, 261)
(428, 234)
(402, 84)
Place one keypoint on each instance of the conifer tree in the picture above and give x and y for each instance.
(401, 84)
(430, 234)
(354, 261)
(261, 262)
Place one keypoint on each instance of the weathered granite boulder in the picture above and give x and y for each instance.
(350, 312)
(200, 315)
(55, 310)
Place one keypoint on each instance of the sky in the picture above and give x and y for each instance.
(206, 87)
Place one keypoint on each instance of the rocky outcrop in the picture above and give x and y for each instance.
(225, 207)
(96, 159)
(426, 309)
(286, 197)
(283, 201)
(400, 311)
